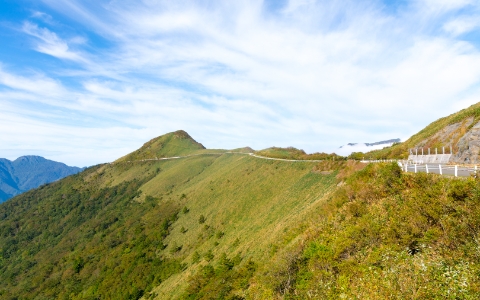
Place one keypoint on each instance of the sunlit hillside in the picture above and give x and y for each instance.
(223, 225)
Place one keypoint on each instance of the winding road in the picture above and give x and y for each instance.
(441, 169)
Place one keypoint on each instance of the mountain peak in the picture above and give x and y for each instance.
(28, 172)
(29, 159)
(182, 134)
(171, 144)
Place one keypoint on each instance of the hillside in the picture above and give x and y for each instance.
(28, 172)
(460, 130)
(294, 153)
(124, 228)
(220, 225)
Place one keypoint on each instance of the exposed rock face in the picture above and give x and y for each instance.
(462, 136)
(448, 136)
(468, 147)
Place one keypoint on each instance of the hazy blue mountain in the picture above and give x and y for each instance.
(28, 172)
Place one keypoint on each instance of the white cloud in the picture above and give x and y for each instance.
(461, 25)
(43, 16)
(52, 44)
(439, 6)
(38, 84)
(314, 74)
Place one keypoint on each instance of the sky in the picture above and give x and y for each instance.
(86, 82)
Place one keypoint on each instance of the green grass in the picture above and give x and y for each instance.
(118, 230)
(234, 226)
(176, 143)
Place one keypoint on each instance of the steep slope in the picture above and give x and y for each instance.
(116, 231)
(8, 186)
(234, 226)
(460, 130)
(391, 235)
(28, 172)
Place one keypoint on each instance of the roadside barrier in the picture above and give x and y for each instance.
(441, 169)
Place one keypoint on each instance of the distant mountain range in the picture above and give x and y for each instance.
(364, 147)
(28, 172)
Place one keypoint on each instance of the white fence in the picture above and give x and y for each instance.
(441, 169)
(455, 170)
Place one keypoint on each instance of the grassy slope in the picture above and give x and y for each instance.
(249, 200)
(231, 225)
(110, 221)
(401, 150)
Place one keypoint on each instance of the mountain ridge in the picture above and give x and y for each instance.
(28, 172)
(235, 226)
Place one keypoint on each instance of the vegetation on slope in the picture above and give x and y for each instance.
(298, 154)
(192, 226)
(391, 235)
(176, 143)
(466, 118)
(233, 226)
(75, 240)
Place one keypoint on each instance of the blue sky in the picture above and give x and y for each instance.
(86, 82)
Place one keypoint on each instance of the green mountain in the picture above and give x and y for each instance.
(216, 224)
(125, 228)
(173, 144)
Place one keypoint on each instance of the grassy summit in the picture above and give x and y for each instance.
(178, 143)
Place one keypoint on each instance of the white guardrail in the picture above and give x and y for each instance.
(441, 169)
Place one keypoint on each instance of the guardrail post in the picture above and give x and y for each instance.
(426, 168)
(415, 168)
(440, 168)
(456, 171)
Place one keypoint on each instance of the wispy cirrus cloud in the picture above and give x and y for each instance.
(312, 74)
(51, 44)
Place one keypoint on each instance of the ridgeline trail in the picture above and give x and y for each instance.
(219, 154)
